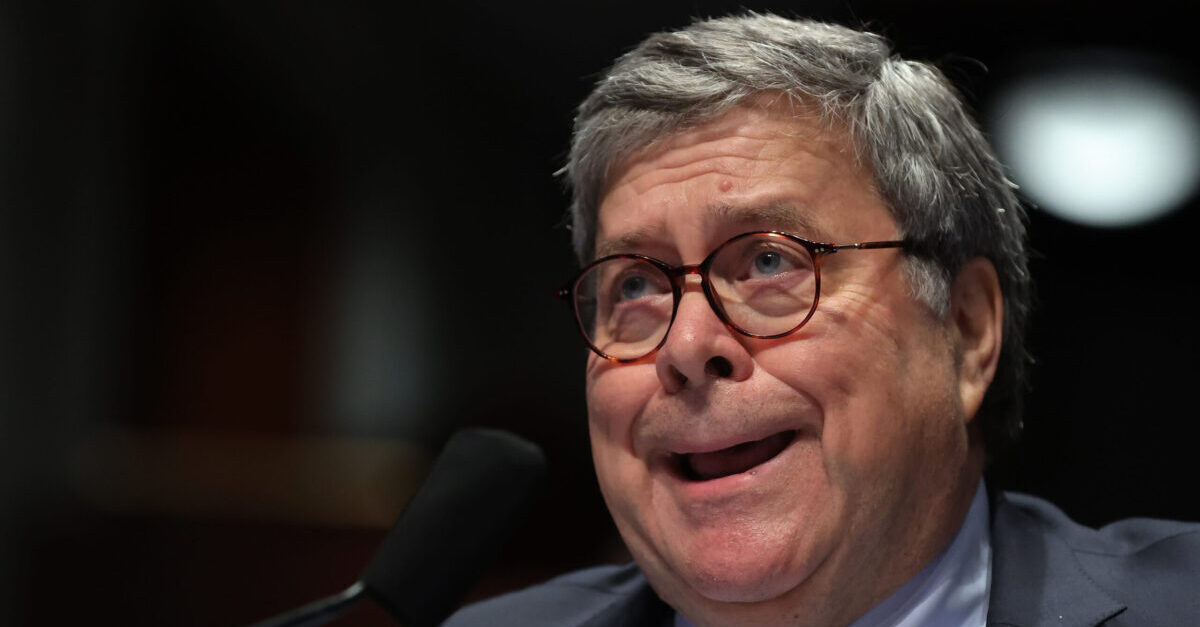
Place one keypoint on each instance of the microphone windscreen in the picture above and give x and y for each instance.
(479, 489)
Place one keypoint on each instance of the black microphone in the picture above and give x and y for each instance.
(480, 488)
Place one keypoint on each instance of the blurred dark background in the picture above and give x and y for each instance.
(259, 259)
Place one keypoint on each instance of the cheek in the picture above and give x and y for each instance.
(875, 385)
(616, 396)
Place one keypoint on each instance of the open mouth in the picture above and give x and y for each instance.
(733, 460)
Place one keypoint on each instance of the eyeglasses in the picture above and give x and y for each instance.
(763, 284)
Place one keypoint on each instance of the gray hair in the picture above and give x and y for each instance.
(932, 165)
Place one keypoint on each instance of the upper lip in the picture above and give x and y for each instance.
(674, 426)
(706, 435)
(686, 447)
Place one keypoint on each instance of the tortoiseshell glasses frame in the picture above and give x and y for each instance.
(675, 275)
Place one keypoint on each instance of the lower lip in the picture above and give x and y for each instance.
(732, 485)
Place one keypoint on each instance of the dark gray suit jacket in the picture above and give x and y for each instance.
(1046, 570)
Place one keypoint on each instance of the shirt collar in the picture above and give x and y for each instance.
(953, 589)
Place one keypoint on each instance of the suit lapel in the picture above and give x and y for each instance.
(636, 606)
(1036, 579)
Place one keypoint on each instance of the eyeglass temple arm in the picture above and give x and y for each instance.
(895, 243)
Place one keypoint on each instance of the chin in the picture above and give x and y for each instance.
(742, 575)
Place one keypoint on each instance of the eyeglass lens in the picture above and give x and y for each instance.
(765, 283)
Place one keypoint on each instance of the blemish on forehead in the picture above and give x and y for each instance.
(725, 185)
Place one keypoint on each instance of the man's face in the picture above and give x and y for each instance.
(852, 437)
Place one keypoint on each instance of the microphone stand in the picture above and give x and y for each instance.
(318, 612)
(478, 491)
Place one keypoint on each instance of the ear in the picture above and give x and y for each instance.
(977, 322)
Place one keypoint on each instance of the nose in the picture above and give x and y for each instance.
(699, 348)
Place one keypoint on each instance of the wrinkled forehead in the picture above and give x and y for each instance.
(785, 116)
(779, 166)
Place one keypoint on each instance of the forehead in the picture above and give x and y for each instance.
(779, 167)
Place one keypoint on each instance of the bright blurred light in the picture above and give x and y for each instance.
(1102, 145)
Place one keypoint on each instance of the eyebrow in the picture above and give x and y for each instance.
(624, 243)
(770, 216)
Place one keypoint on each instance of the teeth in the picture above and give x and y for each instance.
(733, 460)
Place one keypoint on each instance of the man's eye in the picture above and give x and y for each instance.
(633, 287)
(769, 263)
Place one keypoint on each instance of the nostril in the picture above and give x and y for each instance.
(718, 367)
(679, 377)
